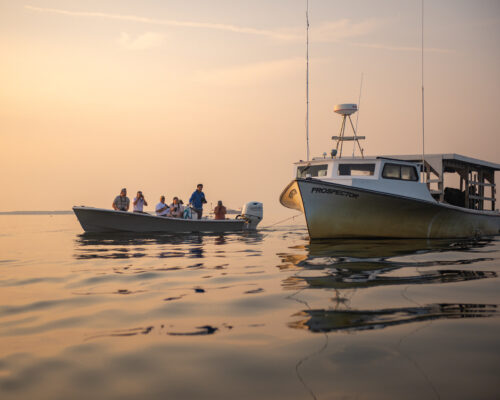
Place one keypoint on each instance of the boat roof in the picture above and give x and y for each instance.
(317, 160)
(448, 157)
(430, 158)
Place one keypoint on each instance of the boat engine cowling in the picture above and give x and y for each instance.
(252, 212)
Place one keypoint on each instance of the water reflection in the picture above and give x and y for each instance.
(337, 320)
(359, 264)
(325, 253)
(133, 245)
(348, 264)
(344, 267)
(162, 330)
(220, 240)
(349, 279)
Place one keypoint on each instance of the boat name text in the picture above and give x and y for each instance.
(335, 192)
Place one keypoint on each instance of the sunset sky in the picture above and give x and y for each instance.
(161, 95)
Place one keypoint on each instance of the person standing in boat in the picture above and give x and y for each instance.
(220, 211)
(176, 208)
(121, 202)
(198, 199)
(139, 202)
(161, 208)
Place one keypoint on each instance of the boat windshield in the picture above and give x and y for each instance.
(356, 169)
(312, 170)
(398, 171)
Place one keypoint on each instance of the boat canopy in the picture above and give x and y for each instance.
(477, 178)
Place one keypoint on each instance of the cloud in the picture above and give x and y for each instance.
(147, 40)
(326, 32)
(342, 29)
(166, 22)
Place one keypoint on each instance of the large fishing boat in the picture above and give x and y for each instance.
(402, 196)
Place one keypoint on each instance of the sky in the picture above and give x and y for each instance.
(161, 95)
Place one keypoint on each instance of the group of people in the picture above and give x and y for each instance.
(175, 209)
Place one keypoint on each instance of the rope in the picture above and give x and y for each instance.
(280, 222)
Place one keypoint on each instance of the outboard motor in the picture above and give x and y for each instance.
(252, 212)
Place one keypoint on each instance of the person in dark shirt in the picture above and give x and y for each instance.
(121, 202)
(197, 200)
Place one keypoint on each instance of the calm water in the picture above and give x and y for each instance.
(244, 316)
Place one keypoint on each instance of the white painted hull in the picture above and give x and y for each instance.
(101, 220)
(339, 211)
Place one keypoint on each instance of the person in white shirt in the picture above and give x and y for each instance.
(139, 202)
(162, 208)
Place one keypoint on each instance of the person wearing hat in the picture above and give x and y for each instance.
(121, 202)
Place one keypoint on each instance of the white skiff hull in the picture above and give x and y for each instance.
(98, 220)
(339, 211)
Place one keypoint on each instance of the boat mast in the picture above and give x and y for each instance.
(357, 115)
(307, 78)
(423, 124)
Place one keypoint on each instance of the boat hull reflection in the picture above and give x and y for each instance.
(338, 320)
(346, 266)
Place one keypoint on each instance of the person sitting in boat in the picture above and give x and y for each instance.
(197, 200)
(220, 211)
(139, 202)
(176, 208)
(121, 202)
(162, 208)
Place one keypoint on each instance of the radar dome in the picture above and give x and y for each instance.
(345, 109)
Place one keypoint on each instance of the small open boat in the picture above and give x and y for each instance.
(100, 220)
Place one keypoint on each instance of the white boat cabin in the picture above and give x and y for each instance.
(401, 175)
(377, 173)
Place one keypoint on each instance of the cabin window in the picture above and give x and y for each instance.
(312, 170)
(356, 169)
(408, 173)
(392, 171)
(398, 171)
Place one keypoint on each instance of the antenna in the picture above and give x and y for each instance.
(359, 110)
(307, 78)
(423, 120)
